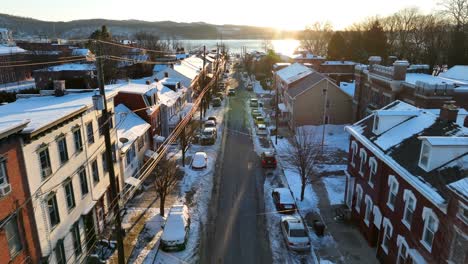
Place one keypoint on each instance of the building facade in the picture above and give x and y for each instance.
(406, 185)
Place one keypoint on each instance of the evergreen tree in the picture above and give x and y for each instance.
(375, 41)
(336, 47)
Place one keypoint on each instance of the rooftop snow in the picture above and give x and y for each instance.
(71, 67)
(130, 126)
(339, 63)
(348, 88)
(6, 50)
(293, 72)
(412, 78)
(307, 56)
(80, 52)
(457, 72)
(43, 110)
(460, 186)
(174, 74)
(447, 141)
(136, 88)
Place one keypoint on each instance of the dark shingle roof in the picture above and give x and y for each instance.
(304, 84)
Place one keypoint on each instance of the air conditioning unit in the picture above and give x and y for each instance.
(5, 189)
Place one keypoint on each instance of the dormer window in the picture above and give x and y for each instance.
(425, 153)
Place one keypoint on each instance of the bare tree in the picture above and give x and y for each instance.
(301, 155)
(166, 179)
(316, 37)
(185, 138)
(456, 10)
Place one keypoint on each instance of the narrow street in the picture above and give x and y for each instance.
(236, 230)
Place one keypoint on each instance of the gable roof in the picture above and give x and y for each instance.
(457, 72)
(130, 126)
(293, 72)
(399, 147)
(304, 83)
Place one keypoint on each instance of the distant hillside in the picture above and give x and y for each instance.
(28, 27)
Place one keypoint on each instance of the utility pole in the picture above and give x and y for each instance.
(277, 107)
(115, 198)
(325, 92)
(204, 81)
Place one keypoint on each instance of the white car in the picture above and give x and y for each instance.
(176, 229)
(295, 233)
(210, 123)
(199, 161)
(262, 130)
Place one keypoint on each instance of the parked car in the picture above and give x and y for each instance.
(176, 229)
(221, 85)
(295, 233)
(259, 120)
(208, 136)
(268, 160)
(255, 113)
(283, 200)
(231, 92)
(262, 130)
(216, 102)
(212, 118)
(199, 161)
(220, 95)
(253, 102)
(210, 123)
(249, 87)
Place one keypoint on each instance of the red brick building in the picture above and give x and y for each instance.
(18, 235)
(407, 188)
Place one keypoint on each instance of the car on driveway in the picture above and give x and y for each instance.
(283, 200)
(208, 136)
(216, 102)
(199, 161)
(268, 160)
(295, 233)
(262, 130)
(231, 92)
(176, 229)
(253, 102)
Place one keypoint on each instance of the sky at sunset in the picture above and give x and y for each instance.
(291, 14)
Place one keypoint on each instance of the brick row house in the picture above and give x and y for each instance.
(407, 183)
(378, 85)
(65, 168)
(18, 235)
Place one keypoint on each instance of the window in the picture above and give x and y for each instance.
(75, 232)
(60, 253)
(78, 140)
(114, 153)
(363, 156)
(69, 194)
(140, 142)
(101, 125)
(3, 172)
(431, 223)
(83, 181)
(354, 149)
(463, 212)
(372, 171)
(95, 171)
(130, 155)
(368, 210)
(44, 159)
(392, 192)
(410, 206)
(402, 254)
(358, 198)
(90, 132)
(62, 149)
(52, 207)
(13, 236)
(424, 158)
(388, 230)
(104, 162)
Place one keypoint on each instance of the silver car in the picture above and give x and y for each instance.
(295, 233)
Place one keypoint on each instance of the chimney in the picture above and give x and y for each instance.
(59, 87)
(399, 70)
(156, 80)
(166, 75)
(465, 123)
(449, 112)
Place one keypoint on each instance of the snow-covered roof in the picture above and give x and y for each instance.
(400, 145)
(457, 72)
(307, 56)
(71, 67)
(135, 88)
(7, 126)
(339, 63)
(81, 52)
(6, 50)
(460, 186)
(348, 87)
(412, 78)
(130, 126)
(44, 110)
(159, 67)
(293, 72)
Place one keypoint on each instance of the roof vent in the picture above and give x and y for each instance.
(123, 140)
(59, 87)
(449, 112)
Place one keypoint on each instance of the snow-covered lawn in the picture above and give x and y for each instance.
(335, 189)
(335, 136)
(258, 88)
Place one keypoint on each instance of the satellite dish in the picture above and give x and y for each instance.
(123, 140)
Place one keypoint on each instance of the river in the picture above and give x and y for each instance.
(283, 46)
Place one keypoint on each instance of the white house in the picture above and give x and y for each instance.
(63, 149)
(133, 142)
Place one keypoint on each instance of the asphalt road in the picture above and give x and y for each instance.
(236, 231)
